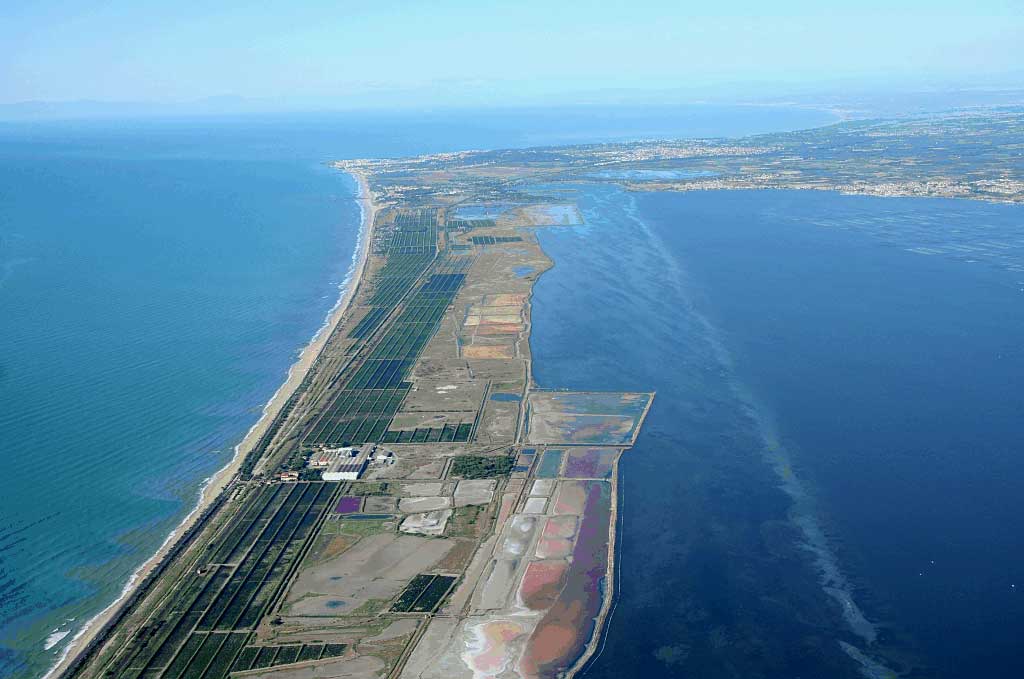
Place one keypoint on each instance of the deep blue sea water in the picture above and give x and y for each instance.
(157, 279)
(829, 482)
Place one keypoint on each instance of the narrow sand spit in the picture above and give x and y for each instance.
(214, 485)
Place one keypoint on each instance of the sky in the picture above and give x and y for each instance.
(530, 51)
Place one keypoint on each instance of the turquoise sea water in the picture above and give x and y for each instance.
(157, 279)
(828, 483)
(151, 307)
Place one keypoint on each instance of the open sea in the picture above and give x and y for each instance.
(157, 280)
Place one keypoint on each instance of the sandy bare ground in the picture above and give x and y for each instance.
(377, 567)
(474, 492)
(364, 666)
(223, 478)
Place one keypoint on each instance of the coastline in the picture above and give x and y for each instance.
(220, 481)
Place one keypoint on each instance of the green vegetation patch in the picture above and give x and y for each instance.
(370, 488)
(259, 657)
(363, 528)
(368, 607)
(482, 467)
(464, 521)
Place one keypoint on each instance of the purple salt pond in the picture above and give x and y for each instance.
(348, 505)
(590, 463)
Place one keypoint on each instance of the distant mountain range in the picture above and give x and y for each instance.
(854, 99)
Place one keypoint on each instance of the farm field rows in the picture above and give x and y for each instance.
(212, 610)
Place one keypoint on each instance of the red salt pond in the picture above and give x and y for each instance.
(541, 583)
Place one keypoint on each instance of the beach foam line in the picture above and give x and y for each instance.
(347, 288)
(133, 580)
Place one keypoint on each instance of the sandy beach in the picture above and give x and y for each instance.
(217, 483)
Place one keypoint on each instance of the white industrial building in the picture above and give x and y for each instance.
(347, 465)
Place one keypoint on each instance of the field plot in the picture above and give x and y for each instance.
(495, 240)
(450, 393)
(409, 246)
(423, 594)
(585, 418)
(260, 657)
(498, 422)
(493, 326)
(446, 434)
(467, 224)
(357, 416)
(210, 614)
(407, 299)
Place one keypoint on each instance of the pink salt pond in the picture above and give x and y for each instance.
(572, 496)
(560, 527)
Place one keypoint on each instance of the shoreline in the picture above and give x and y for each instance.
(214, 485)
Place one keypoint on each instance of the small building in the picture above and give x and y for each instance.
(323, 458)
(381, 456)
(289, 476)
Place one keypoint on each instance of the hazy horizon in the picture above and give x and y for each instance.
(75, 58)
(850, 102)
